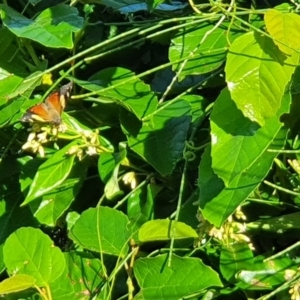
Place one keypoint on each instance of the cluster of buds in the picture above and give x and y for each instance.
(37, 137)
(90, 144)
(295, 290)
(230, 232)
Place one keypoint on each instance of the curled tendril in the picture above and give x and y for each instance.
(189, 155)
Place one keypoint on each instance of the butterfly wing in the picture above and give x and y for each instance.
(41, 113)
(50, 111)
(57, 100)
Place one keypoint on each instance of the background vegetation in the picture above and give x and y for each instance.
(175, 174)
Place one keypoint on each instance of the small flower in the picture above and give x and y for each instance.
(31, 136)
(41, 151)
(80, 154)
(130, 178)
(42, 137)
(239, 214)
(91, 150)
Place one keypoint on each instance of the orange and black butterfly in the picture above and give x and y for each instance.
(51, 109)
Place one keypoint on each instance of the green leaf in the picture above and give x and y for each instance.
(140, 205)
(12, 86)
(160, 230)
(52, 28)
(102, 229)
(257, 74)
(207, 56)
(225, 183)
(29, 251)
(127, 90)
(234, 258)
(51, 173)
(106, 165)
(56, 202)
(82, 276)
(161, 139)
(12, 61)
(157, 281)
(283, 27)
(16, 283)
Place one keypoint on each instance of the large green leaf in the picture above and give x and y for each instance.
(257, 74)
(51, 173)
(127, 90)
(239, 157)
(52, 28)
(283, 27)
(29, 251)
(161, 139)
(102, 229)
(158, 281)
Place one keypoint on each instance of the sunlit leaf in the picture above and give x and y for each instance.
(283, 27)
(153, 273)
(29, 251)
(102, 229)
(257, 74)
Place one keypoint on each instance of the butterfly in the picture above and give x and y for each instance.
(51, 109)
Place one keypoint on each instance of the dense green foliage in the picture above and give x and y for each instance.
(174, 173)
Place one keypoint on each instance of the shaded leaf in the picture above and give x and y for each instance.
(170, 123)
(206, 57)
(52, 28)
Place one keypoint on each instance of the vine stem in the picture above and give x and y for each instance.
(286, 250)
(119, 38)
(277, 187)
(43, 295)
(163, 66)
